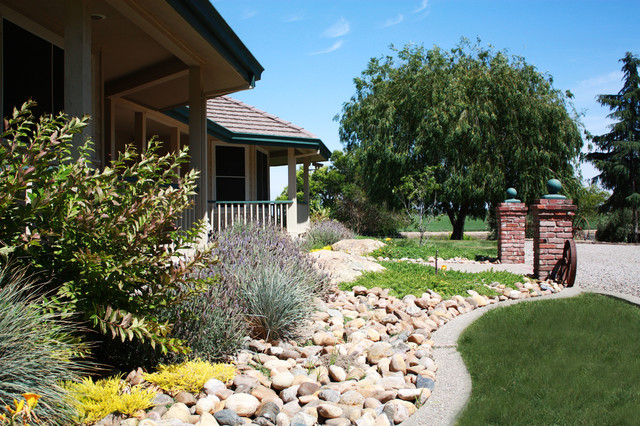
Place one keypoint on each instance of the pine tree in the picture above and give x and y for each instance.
(618, 157)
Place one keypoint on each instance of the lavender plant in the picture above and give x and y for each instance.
(265, 267)
(326, 232)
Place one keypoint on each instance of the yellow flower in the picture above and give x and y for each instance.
(32, 399)
(444, 267)
(387, 239)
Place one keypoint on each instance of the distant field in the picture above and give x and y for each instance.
(442, 224)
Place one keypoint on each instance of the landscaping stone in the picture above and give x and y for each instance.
(243, 404)
(228, 417)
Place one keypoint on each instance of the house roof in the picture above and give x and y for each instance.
(232, 121)
(243, 118)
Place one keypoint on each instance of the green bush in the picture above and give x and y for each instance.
(357, 212)
(37, 350)
(101, 236)
(270, 275)
(615, 227)
(326, 232)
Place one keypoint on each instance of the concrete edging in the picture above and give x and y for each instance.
(453, 384)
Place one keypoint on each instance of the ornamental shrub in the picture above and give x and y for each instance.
(190, 376)
(106, 238)
(326, 232)
(37, 349)
(254, 263)
(95, 400)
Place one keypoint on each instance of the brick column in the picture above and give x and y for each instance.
(511, 225)
(552, 226)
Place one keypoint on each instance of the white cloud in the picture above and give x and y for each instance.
(249, 13)
(423, 6)
(338, 29)
(587, 90)
(393, 21)
(337, 45)
(294, 17)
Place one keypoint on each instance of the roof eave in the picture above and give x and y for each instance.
(202, 16)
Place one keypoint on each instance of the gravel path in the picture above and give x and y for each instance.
(607, 268)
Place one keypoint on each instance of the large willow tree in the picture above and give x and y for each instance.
(486, 120)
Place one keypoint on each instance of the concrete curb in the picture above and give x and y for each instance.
(453, 384)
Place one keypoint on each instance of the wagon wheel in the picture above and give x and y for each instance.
(565, 271)
(581, 228)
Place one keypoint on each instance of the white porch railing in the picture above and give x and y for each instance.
(223, 214)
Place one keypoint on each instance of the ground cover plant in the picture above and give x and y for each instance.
(569, 361)
(190, 376)
(404, 278)
(447, 249)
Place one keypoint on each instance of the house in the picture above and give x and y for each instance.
(142, 68)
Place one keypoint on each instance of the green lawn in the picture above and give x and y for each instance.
(447, 249)
(443, 224)
(404, 278)
(567, 361)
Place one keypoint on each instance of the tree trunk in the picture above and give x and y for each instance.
(457, 221)
(634, 236)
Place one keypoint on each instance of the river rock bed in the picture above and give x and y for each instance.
(366, 361)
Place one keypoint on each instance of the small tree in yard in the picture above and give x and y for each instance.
(618, 158)
(100, 237)
(416, 194)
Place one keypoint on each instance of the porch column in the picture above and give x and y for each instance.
(77, 65)
(141, 130)
(292, 190)
(198, 138)
(306, 181)
(305, 210)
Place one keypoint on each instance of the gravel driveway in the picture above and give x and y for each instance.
(604, 267)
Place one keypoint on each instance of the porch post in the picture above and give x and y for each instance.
(292, 209)
(198, 138)
(77, 65)
(306, 181)
(141, 130)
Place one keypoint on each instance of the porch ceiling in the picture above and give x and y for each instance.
(147, 47)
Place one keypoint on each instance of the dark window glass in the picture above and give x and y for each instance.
(230, 189)
(230, 161)
(262, 174)
(33, 69)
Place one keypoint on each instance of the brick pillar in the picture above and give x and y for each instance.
(512, 219)
(552, 226)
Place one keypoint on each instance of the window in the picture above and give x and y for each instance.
(262, 176)
(33, 69)
(230, 173)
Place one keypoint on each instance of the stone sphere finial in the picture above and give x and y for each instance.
(511, 196)
(554, 186)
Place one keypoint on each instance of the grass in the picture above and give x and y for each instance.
(443, 224)
(571, 361)
(447, 249)
(409, 278)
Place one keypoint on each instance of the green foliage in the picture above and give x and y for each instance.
(211, 323)
(490, 121)
(190, 376)
(410, 248)
(404, 278)
(589, 200)
(105, 238)
(37, 349)
(541, 363)
(615, 227)
(324, 233)
(95, 400)
(416, 192)
(618, 155)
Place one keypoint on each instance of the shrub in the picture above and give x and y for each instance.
(190, 376)
(615, 226)
(326, 232)
(37, 351)
(102, 236)
(211, 323)
(253, 263)
(356, 211)
(95, 400)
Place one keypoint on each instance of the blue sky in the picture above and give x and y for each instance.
(311, 50)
